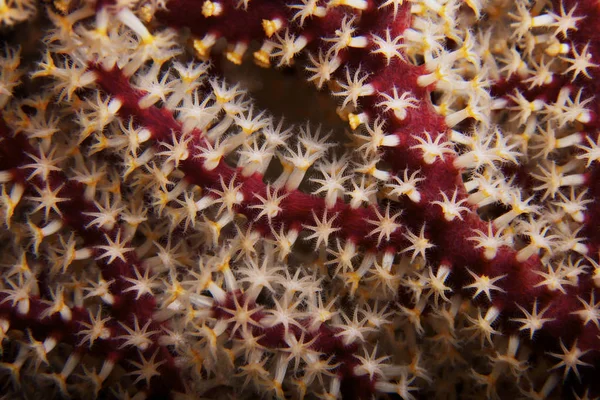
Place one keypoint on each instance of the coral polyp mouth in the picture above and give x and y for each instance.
(415, 215)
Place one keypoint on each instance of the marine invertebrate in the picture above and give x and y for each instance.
(149, 242)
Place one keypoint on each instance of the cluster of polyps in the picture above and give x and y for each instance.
(149, 254)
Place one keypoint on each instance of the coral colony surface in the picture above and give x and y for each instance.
(164, 235)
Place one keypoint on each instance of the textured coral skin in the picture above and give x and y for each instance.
(450, 238)
(453, 249)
